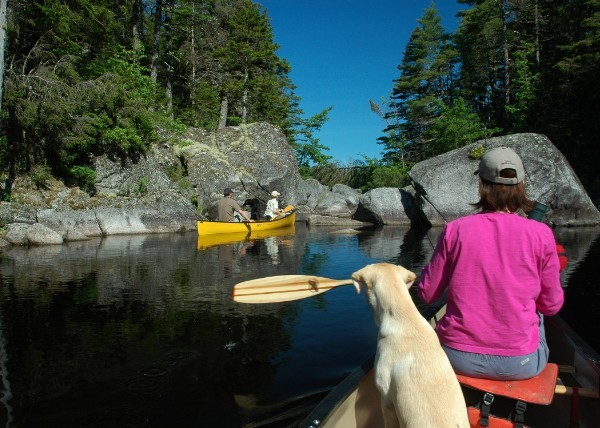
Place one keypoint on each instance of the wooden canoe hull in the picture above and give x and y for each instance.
(356, 402)
(218, 227)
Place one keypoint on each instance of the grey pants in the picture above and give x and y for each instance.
(498, 367)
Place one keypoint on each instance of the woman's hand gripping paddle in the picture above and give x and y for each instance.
(284, 288)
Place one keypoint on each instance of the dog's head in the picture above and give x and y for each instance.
(378, 279)
(372, 274)
(251, 202)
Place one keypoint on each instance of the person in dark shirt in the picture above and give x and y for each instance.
(229, 209)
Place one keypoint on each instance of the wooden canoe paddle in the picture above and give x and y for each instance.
(284, 212)
(283, 288)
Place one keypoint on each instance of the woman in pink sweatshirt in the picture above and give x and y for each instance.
(501, 272)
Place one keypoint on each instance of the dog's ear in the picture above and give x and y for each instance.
(407, 276)
(357, 285)
(358, 280)
(363, 277)
(410, 279)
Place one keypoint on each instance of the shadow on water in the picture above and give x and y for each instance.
(141, 330)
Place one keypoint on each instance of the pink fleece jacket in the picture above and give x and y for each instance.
(499, 269)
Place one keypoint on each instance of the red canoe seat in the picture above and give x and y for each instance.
(537, 390)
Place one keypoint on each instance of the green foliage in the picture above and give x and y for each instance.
(203, 111)
(142, 187)
(307, 147)
(389, 176)
(456, 127)
(84, 176)
(525, 85)
(477, 152)
(40, 174)
(124, 106)
(70, 120)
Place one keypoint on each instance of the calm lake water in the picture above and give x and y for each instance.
(140, 331)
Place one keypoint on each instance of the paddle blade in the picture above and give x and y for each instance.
(283, 288)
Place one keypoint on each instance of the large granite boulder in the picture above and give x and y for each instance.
(304, 189)
(31, 234)
(252, 159)
(445, 186)
(71, 222)
(451, 186)
(352, 196)
(387, 205)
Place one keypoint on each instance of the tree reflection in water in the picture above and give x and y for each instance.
(141, 330)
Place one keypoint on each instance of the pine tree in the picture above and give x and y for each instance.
(421, 91)
(480, 41)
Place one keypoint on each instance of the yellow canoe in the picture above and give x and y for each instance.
(205, 241)
(206, 227)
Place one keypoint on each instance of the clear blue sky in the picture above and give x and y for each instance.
(343, 53)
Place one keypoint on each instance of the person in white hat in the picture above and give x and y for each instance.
(501, 274)
(272, 209)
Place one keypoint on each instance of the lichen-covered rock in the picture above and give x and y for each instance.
(38, 234)
(451, 186)
(252, 159)
(31, 234)
(16, 233)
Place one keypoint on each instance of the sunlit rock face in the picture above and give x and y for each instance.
(253, 160)
(451, 185)
(180, 181)
(445, 186)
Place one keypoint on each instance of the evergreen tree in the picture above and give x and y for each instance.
(480, 41)
(91, 77)
(456, 127)
(567, 105)
(424, 86)
(199, 78)
(70, 94)
(309, 151)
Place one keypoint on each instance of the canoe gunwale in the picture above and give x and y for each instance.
(580, 345)
(337, 395)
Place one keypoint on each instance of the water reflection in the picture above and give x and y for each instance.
(141, 330)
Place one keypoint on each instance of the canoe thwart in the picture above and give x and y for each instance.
(580, 392)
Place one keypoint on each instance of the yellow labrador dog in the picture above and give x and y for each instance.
(417, 383)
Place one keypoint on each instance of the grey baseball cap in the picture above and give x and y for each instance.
(498, 159)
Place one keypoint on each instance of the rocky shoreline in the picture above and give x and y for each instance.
(146, 196)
